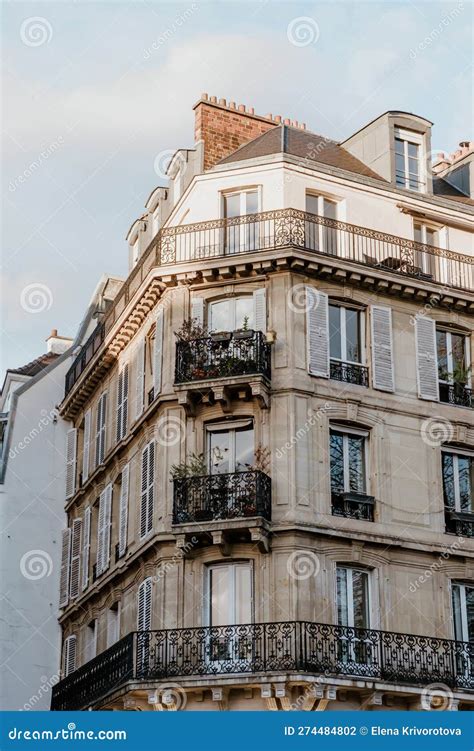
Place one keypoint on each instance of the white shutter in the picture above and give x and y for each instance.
(426, 358)
(71, 447)
(87, 444)
(382, 348)
(91, 641)
(147, 489)
(144, 606)
(123, 510)
(260, 309)
(197, 310)
(113, 625)
(106, 528)
(86, 546)
(100, 534)
(75, 558)
(140, 379)
(122, 403)
(101, 427)
(64, 575)
(69, 655)
(317, 332)
(158, 354)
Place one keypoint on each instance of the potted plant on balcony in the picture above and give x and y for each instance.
(194, 465)
(244, 332)
(221, 336)
(190, 330)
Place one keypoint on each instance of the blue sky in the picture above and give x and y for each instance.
(93, 92)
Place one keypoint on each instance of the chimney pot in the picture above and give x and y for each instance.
(303, 126)
(222, 102)
(232, 105)
(278, 118)
(269, 116)
(241, 107)
(214, 99)
(286, 121)
(251, 111)
(204, 96)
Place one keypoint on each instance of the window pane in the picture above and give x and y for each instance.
(457, 613)
(244, 449)
(335, 332)
(356, 464)
(417, 233)
(251, 202)
(360, 599)
(342, 605)
(311, 204)
(399, 146)
(353, 349)
(232, 206)
(219, 454)
(219, 319)
(431, 236)
(413, 150)
(442, 355)
(243, 595)
(330, 209)
(337, 462)
(470, 613)
(466, 464)
(400, 169)
(244, 309)
(219, 591)
(448, 480)
(457, 344)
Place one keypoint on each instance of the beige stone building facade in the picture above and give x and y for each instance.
(271, 449)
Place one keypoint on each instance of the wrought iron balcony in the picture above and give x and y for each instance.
(457, 394)
(349, 372)
(262, 648)
(221, 356)
(353, 506)
(460, 523)
(235, 495)
(84, 357)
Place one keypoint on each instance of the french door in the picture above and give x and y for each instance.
(353, 612)
(317, 236)
(240, 238)
(229, 603)
(463, 616)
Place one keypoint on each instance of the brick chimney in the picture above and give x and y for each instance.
(223, 127)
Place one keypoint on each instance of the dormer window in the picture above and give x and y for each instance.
(408, 155)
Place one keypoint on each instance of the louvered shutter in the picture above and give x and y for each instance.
(69, 655)
(426, 358)
(71, 447)
(123, 510)
(86, 546)
(197, 310)
(144, 606)
(260, 309)
(86, 447)
(118, 432)
(122, 403)
(140, 379)
(317, 332)
(103, 530)
(64, 574)
(158, 354)
(75, 558)
(382, 348)
(147, 490)
(101, 428)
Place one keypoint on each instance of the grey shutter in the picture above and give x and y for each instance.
(87, 444)
(317, 332)
(106, 527)
(140, 379)
(147, 489)
(382, 348)
(158, 354)
(71, 448)
(144, 606)
(197, 310)
(69, 655)
(426, 358)
(260, 309)
(101, 427)
(75, 559)
(64, 574)
(86, 546)
(123, 510)
(122, 403)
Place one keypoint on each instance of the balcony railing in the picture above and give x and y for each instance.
(235, 495)
(353, 506)
(457, 394)
(460, 523)
(262, 648)
(349, 372)
(84, 357)
(222, 356)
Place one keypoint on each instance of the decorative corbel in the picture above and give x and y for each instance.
(221, 394)
(261, 538)
(218, 538)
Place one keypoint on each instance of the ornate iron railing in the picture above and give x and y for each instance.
(349, 372)
(459, 523)
(234, 495)
(262, 648)
(221, 356)
(84, 357)
(353, 506)
(456, 393)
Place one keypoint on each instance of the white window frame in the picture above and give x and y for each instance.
(242, 192)
(462, 598)
(427, 261)
(231, 301)
(101, 429)
(348, 431)
(410, 136)
(456, 453)
(230, 430)
(321, 198)
(350, 595)
(449, 352)
(113, 621)
(231, 598)
(90, 650)
(342, 319)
